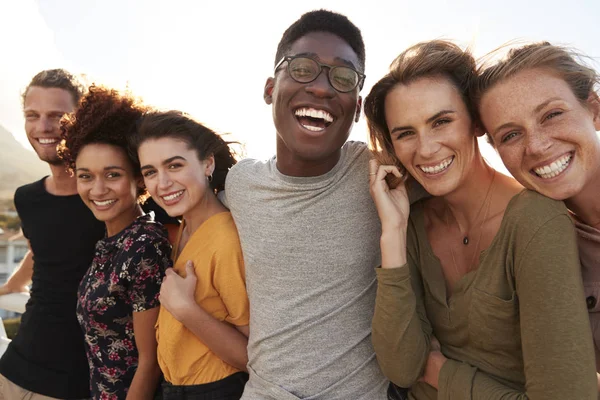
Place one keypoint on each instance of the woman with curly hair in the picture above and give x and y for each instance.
(118, 302)
(487, 267)
(202, 327)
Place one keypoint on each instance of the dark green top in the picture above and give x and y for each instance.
(514, 328)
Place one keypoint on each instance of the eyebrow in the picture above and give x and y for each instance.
(536, 110)
(105, 168)
(429, 120)
(338, 59)
(167, 161)
(545, 103)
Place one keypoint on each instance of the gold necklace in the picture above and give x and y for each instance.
(470, 266)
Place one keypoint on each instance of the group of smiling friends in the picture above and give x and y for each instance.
(410, 270)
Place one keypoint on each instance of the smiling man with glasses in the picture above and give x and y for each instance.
(308, 227)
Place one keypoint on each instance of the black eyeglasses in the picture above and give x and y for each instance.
(304, 69)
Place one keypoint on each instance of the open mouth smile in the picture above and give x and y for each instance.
(172, 198)
(554, 168)
(48, 141)
(313, 119)
(103, 204)
(437, 168)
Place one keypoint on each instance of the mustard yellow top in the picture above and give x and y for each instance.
(215, 251)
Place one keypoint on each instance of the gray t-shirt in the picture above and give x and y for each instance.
(310, 246)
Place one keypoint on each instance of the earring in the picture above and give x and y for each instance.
(209, 178)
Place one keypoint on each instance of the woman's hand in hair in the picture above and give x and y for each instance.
(393, 208)
(392, 205)
(177, 293)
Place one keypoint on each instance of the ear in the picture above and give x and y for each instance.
(268, 92)
(358, 109)
(478, 130)
(594, 107)
(209, 165)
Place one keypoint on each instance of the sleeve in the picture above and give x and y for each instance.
(401, 331)
(19, 207)
(557, 346)
(147, 270)
(230, 280)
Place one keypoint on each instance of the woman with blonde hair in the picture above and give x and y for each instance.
(541, 110)
(476, 264)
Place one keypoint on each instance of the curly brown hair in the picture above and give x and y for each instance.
(104, 116)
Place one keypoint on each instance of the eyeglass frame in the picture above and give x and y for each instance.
(359, 84)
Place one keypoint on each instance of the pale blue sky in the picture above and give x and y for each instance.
(211, 59)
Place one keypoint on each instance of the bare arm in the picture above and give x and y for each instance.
(222, 338)
(146, 377)
(21, 276)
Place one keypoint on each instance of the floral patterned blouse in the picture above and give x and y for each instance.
(124, 278)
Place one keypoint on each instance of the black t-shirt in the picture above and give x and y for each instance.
(48, 355)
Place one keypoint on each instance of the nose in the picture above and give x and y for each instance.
(98, 188)
(164, 181)
(46, 124)
(427, 146)
(537, 143)
(321, 87)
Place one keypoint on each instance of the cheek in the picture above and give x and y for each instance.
(511, 161)
(403, 153)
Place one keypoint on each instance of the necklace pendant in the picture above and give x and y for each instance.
(466, 240)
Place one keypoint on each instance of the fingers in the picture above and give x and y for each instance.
(189, 269)
(170, 272)
(384, 170)
(373, 168)
(435, 344)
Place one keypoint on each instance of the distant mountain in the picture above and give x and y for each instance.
(18, 165)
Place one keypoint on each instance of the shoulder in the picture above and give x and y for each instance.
(243, 172)
(219, 238)
(31, 189)
(357, 153)
(146, 236)
(247, 166)
(528, 210)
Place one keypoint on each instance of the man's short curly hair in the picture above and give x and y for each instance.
(104, 116)
(323, 21)
(60, 79)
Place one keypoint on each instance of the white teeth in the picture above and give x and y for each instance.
(437, 168)
(314, 113)
(172, 196)
(47, 141)
(555, 168)
(103, 203)
(313, 128)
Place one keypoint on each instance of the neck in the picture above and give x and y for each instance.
(465, 203)
(123, 220)
(585, 204)
(208, 206)
(295, 166)
(61, 182)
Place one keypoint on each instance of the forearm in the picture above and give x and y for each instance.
(145, 381)
(393, 248)
(21, 276)
(401, 331)
(223, 339)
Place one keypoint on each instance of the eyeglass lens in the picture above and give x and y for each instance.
(306, 70)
